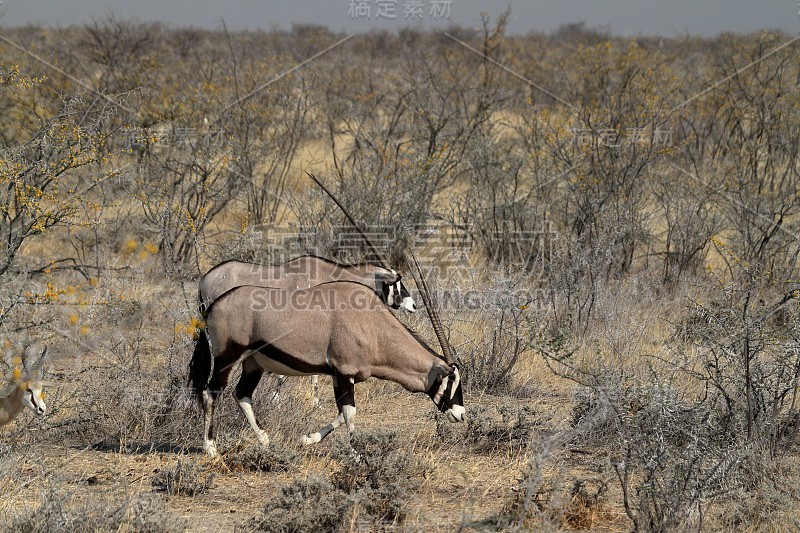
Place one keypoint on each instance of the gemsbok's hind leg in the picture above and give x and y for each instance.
(343, 390)
(209, 400)
(251, 375)
(210, 396)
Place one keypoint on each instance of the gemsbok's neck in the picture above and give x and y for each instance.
(407, 361)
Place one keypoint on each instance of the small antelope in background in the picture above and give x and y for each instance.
(25, 389)
(338, 328)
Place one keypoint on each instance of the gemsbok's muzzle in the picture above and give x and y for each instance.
(455, 413)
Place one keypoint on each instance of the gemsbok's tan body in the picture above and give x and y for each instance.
(338, 328)
(301, 273)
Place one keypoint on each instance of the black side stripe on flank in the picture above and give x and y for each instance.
(289, 360)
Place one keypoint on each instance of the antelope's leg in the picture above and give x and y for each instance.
(218, 381)
(346, 403)
(251, 375)
(276, 393)
(315, 390)
(346, 400)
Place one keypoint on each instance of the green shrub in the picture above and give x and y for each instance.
(272, 458)
(184, 479)
(371, 488)
(310, 504)
(487, 432)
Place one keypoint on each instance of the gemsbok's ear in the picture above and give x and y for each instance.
(390, 277)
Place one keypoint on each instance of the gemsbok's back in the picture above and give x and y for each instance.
(302, 273)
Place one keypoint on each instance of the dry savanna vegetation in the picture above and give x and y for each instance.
(613, 248)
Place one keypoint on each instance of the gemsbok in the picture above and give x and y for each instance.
(25, 388)
(338, 328)
(302, 273)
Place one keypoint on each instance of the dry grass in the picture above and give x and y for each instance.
(473, 478)
(478, 472)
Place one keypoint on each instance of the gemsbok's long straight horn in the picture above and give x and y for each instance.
(380, 258)
(422, 285)
(416, 272)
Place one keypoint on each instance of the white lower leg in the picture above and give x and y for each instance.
(208, 409)
(210, 447)
(246, 405)
(349, 412)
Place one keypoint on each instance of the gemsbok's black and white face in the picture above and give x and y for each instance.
(397, 295)
(446, 393)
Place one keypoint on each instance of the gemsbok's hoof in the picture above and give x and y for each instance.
(314, 438)
(211, 449)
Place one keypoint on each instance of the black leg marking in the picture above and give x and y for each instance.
(344, 393)
(251, 375)
(325, 431)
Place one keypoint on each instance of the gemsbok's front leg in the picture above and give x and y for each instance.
(251, 375)
(344, 392)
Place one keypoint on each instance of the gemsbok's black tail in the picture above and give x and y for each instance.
(200, 365)
(202, 308)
